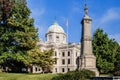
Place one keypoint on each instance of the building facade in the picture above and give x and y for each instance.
(66, 53)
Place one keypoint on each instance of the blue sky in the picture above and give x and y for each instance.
(104, 13)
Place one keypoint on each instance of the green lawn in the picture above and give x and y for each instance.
(20, 76)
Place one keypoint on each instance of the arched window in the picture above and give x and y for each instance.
(63, 54)
(57, 38)
(68, 53)
(63, 70)
(55, 53)
(50, 37)
(55, 69)
(63, 61)
(68, 61)
(63, 38)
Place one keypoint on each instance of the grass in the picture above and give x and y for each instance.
(22, 76)
(105, 75)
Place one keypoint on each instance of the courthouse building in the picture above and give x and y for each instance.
(65, 52)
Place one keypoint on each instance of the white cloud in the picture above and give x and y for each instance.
(36, 12)
(116, 37)
(41, 31)
(110, 15)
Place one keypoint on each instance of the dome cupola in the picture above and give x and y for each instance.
(55, 34)
(56, 28)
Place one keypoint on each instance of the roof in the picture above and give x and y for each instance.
(55, 28)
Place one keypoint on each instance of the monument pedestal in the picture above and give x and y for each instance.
(89, 62)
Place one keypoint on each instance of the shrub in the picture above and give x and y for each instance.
(75, 75)
(87, 73)
(117, 73)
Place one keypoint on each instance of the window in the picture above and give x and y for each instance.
(63, 38)
(63, 70)
(76, 53)
(55, 53)
(55, 69)
(63, 61)
(63, 54)
(68, 61)
(39, 69)
(57, 38)
(50, 37)
(68, 69)
(68, 53)
(35, 68)
(56, 61)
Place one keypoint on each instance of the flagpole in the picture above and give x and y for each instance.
(67, 43)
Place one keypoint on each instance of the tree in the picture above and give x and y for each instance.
(117, 63)
(105, 50)
(43, 59)
(5, 9)
(18, 34)
(18, 38)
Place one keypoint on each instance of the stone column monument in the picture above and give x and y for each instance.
(87, 58)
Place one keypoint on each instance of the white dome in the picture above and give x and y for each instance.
(55, 28)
